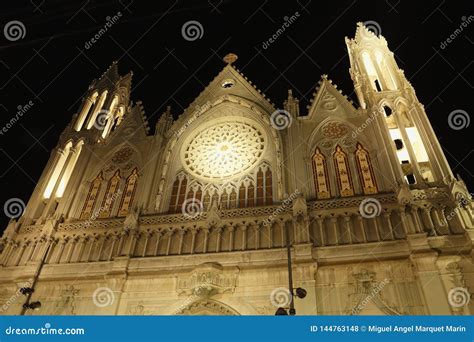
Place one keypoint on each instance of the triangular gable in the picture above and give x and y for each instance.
(328, 99)
(240, 87)
(134, 123)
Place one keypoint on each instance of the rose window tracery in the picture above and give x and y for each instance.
(224, 150)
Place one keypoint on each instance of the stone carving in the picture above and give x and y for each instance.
(329, 102)
(334, 130)
(122, 155)
(207, 307)
(207, 280)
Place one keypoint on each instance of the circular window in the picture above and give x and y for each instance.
(228, 83)
(223, 150)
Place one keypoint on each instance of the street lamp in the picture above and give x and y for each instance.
(299, 292)
(32, 306)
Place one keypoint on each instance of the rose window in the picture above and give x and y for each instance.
(223, 150)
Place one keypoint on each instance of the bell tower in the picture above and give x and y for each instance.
(104, 107)
(384, 91)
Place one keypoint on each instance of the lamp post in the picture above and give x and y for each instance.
(28, 291)
(300, 292)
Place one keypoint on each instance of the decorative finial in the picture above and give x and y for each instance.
(230, 58)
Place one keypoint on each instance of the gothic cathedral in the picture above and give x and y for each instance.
(192, 219)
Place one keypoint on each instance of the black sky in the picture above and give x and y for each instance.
(51, 66)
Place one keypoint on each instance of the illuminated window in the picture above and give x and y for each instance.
(97, 108)
(110, 195)
(260, 187)
(111, 113)
(371, 71)
(130, 188)
(174, 196)
(366, 171)
(71, 163)
(58, 167)
(268, 187)
(385, 70)
(343, 174)
(86, 111)
(91, 198)
(320, 175)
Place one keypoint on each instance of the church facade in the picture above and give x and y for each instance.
(192, 219)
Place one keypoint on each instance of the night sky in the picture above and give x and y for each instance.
(52, 67)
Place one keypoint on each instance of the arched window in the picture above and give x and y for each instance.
(178, 193)
(224, 199)
(366, 172)
(97, 108)
(110, 117)
(91, 198)
(233, 199)
(127, 198)
(206, 202)
(268, 187)
(242, 196)
(260, 196)
(86, 111)
(58, 167)
(118, 118)
(320, 175)
(69, 168)
(371, 71)
(110, 195)
(343, 174)
(251, 195)
(385, 70)
(174, 196)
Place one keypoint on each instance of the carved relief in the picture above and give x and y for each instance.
(206, 280)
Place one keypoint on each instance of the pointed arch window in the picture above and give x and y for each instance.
(260, 196)
(242, 196)
(343, 174)
(233, 199)
(58, 167)
(69, 168)
(129, 193)
(320, 174)
(97, 108)
(91, 198)
(111, 113)
(206, 201)
(366, 172)
(110, 195)
(268, 187)
(86, 110)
